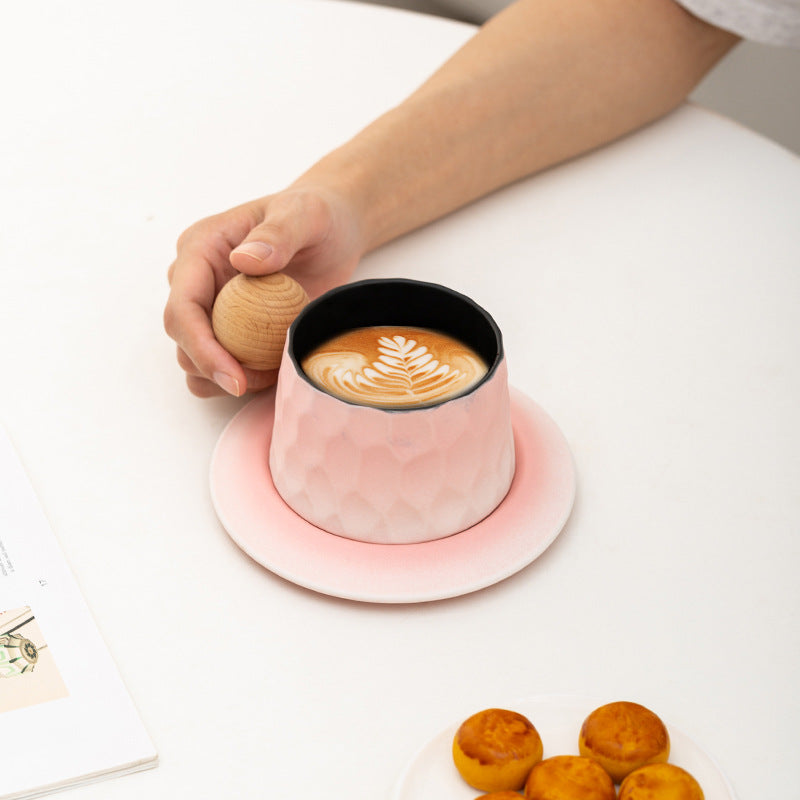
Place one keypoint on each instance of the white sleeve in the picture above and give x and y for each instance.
(767, 21)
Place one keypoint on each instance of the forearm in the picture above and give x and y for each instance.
(541, 82)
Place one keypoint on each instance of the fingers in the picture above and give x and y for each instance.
(199, 270)
(199, 385)
(193, 287)
(293, 221)
(295, 228)
(199, 353)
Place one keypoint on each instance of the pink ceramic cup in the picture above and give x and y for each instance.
(396, 475)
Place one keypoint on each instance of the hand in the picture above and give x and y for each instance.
(311, 233)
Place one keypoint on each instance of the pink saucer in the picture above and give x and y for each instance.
(522, 527)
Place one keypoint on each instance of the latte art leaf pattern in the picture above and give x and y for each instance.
(402, 372)
(408, 368)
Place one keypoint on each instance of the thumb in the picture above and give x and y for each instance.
(291, 223)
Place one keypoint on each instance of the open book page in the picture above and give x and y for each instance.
(65, 715)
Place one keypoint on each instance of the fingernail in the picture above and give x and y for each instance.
(227, 382)
(257, 250)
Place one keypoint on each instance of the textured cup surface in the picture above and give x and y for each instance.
(392, 476)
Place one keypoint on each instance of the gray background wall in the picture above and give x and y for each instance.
(755, 84)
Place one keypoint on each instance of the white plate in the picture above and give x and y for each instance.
(431, 775)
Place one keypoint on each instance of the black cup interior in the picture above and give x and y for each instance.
(396, 301)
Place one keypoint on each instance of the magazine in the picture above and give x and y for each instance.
(66, 717)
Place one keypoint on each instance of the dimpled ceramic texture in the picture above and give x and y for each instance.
(389, 476)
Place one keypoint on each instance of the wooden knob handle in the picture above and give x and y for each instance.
(251, 316)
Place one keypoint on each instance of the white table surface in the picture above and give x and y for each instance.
(648, 295)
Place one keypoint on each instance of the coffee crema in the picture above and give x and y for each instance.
(391, 366)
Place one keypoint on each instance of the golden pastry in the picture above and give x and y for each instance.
(495, 749)
(623, 736)
(660, 782)
(500, 796)
(569, 778)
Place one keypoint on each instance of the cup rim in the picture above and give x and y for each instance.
(435, 287)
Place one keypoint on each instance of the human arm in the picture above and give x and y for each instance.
(541, 82)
